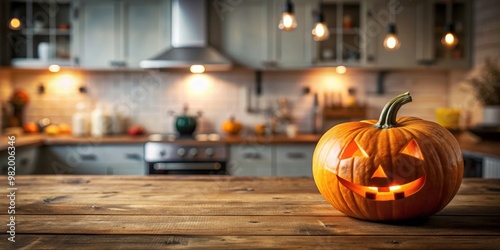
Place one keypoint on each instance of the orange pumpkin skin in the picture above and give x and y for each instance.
(232, 127)
(437, 166)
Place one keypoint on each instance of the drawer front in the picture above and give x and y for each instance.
(294, 169)
(76, 156)
(124, 154)
(249, 169)
(257, 154)
(296, 154)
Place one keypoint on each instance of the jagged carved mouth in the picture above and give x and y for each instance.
(388, 193)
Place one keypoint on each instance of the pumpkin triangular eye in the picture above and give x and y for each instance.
(412, 149)
(353, 150)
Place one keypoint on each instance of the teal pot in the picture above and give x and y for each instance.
(185, 125)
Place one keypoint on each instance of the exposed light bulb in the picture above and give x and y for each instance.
(287, 21)
(54, 68)
(15, 23)
(197, 69)
(341, 69)
(391, 41)
(320, 32)
(449, 39)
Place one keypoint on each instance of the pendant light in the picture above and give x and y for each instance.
(391, 41)
(449, 39)
(320, 31)
(288, 21)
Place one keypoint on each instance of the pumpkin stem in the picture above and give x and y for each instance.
(390, 111)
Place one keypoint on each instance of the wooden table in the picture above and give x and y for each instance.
(214, 212)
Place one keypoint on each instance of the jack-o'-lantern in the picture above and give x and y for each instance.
(390, 169)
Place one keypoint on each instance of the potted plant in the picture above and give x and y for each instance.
(485, 83)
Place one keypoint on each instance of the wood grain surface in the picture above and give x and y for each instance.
(227, 212)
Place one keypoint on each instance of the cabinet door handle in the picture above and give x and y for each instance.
(252, 156)
(24, 161)
(88, 157)
(133, 156)
(295, 155)
(118, 63)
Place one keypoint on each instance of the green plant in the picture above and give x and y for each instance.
(485, 81)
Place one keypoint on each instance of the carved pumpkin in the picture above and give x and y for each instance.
(390, 169)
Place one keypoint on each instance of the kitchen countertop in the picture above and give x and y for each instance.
(468, 142)
(226, 212)
(125, 139)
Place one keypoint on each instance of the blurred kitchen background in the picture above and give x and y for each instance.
(296, 70)
(268, 64)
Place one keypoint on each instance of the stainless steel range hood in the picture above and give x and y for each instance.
(189, 40)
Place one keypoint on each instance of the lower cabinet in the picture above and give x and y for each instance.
(93, 159)
(24, 160)
(271, 160)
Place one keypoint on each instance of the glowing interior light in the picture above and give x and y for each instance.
(197, 69)
(15, 23)
(394, 188)
(287, 22)
(449, 40)
(391, 42)
(320, 32)
(54, 68)
(341, 69)
(373, 188)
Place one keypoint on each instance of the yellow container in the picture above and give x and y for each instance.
(448, 118)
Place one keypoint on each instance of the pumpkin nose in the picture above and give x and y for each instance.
(379, 178)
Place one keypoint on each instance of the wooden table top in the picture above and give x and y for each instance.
(227, 212)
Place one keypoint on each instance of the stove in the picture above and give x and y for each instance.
(196, 155)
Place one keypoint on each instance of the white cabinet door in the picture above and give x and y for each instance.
(100, 29)
(251, 160)
(293, 49)
(244, 32)
(294, 160)
(250, 34)
(25, 159)
(121, 33)
(93, 159)
(147, 30)
(406, 20)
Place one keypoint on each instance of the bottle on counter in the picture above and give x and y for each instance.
(116, 121)
(100, 121)
(81, 121)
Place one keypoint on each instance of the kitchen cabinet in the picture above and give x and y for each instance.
(93, 159)
(120, 33)
(25, 160)
(406, 18)
(271, 160)
(251, 37)
(346, 22)
(251, 160)
(39, 33)
(420, 27)
(429, 48)
(294, 160)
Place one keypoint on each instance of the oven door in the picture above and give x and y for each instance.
(188, 168)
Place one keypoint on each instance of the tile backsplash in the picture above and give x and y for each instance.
(146, 97)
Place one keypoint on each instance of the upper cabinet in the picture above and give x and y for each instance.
(345, 22)
(39, 33)
(420, 27)
(250, 34)
(120, 33)
(460, 17)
